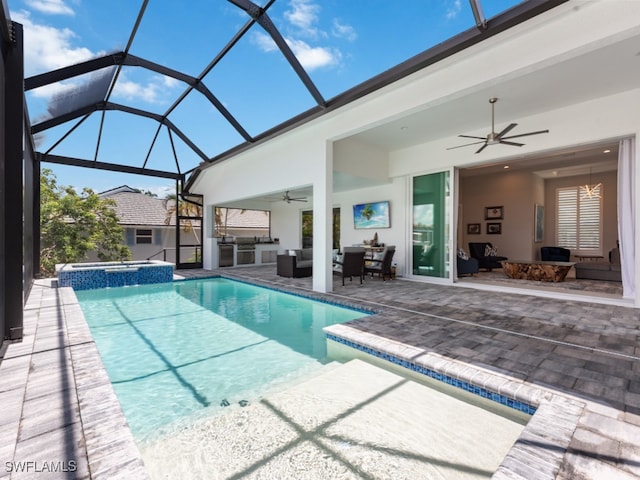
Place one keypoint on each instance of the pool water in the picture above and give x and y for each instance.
(190, 348)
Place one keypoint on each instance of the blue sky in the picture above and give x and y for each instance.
(339, 43)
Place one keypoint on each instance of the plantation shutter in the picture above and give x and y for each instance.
(579, 220)
(590, 224)
(567, 213)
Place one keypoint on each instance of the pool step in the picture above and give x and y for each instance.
(352, 420)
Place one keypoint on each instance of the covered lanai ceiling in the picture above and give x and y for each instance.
(171, 86)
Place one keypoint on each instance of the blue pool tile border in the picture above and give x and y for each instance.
(357, 308)
(449, 380)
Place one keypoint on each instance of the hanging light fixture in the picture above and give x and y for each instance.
(590, 190)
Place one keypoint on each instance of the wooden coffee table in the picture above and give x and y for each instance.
(537, 270)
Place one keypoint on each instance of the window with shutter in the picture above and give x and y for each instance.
(579, 220)
(144, 235)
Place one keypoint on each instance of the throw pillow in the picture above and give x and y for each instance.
(462, 254)
(490, 251)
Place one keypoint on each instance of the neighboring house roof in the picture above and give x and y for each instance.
(134, 208)
(237, 218)
(122, 188)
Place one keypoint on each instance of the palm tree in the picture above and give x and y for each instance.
(367, 212)
(183, 208)
(221, 224)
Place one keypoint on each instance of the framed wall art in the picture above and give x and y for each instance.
(494, 228)
(473, 229)
(493, 213)
(538, 227)
(371, 215)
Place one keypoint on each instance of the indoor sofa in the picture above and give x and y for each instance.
(481, 251)
(608, 271)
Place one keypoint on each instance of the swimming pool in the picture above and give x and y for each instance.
(191, 348)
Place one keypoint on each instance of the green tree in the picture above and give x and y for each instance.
(72, 225)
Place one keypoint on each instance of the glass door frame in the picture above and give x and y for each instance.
(451, 218)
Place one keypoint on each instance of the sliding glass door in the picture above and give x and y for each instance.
(431, 229)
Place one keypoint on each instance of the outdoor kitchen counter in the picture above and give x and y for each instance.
(261, 253)
(266, 253)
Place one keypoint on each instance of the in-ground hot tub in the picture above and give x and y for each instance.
(86, 276)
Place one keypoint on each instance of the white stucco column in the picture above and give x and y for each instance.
(322, 222)
(636, 299)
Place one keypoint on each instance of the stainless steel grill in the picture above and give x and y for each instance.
(245, 250)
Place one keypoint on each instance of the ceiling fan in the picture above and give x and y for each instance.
(287, 198)
(494, 138)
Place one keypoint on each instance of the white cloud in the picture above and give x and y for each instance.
(454, 9)
(342, 30)
(303, 15)
(309, 57)
(312, 57)
(170, 82)
(264, 42)
(160, 191)
(59, 88)
(151, 92)
(53, 7)
(48, 48)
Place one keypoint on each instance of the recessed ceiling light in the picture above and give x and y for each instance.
(607, 151)
(506, 167)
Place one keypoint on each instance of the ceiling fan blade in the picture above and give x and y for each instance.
(482, 148)
(472, 136)
(507, 129)
(466, 145)
(526, 134)
(513, 144)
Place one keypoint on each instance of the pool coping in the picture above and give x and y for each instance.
(539, 450)
(104, 447)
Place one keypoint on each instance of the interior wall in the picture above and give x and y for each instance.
(286, 219)
(609, 206)
(515, 192)
(286, 223)
(518, 193)
(396, 193)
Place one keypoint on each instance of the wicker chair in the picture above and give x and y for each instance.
(352, 263)
(381, 266)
